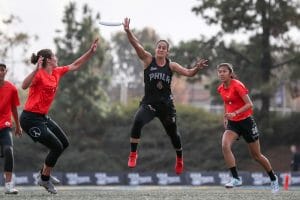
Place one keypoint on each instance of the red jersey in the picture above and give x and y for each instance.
(8, 99)
(43, 89)
(232, 97)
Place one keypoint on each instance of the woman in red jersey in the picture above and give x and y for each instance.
(9, 100)
(43, 83)
(238, 121)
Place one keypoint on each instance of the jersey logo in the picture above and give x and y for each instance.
(159, 85)
(35, 132)
(153, 68)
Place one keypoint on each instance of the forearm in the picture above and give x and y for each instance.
(27, 81)
(243, 109)
(81, 60)
(136, 45)
(15, 115)
(193, 71)
(132, 39)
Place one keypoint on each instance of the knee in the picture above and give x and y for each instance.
(256, 156)
(7, 151)
(57, 149)
(66, 145)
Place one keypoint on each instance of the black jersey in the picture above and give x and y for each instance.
(157, 81)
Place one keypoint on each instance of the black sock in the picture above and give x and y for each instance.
(272, 175)
(234, 172)
(133, 147)
(45, 178)
(179, 153)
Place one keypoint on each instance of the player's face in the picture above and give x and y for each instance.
(53, 61)
(2, 73)
(224, 73)
(161, 49)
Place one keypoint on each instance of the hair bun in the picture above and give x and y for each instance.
(34, 58)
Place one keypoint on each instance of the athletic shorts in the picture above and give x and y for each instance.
(5, 139)
(246, 128)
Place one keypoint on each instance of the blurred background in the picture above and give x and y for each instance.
(95, 106)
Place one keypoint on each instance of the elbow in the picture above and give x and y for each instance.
(24, 86)
(190, 74)
(250, 105)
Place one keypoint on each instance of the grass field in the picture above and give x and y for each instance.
(153, 193)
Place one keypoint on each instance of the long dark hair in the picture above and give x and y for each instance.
(45, 53)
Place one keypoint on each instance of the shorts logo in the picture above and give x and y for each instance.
(173, 119)
(35, 132)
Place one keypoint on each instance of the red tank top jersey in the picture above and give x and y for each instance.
(43, 89)
(8, 99)
(232, 97)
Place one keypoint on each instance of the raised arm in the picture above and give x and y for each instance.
(27, 81)
(200, 64)
(85, 57)
(144, 55)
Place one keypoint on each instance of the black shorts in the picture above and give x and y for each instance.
(165, 111)
(5, 139)
(246, 128)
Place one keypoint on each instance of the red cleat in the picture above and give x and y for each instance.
(179, 165)
(132, 159)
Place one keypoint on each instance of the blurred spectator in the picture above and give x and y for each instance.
(295, 163)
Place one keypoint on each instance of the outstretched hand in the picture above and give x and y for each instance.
(126, 24)
(94, 45)
(200, 64)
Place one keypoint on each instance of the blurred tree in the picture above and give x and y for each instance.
(267, 23)
(128, 68)
(12, 42)
(82, 102)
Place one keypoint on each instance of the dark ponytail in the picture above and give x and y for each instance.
(34, 58)
(45, 53)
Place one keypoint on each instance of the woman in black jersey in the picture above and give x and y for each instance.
(158, 100)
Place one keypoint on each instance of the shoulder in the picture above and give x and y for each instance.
(62, 69)
(237, 83)
(220, 87)
(172, 65)
(10, 87)
(8, 84)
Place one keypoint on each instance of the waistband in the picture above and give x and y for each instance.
(34, 113)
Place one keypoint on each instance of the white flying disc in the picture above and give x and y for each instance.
(111, 23)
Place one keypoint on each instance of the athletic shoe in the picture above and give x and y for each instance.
(179, 165)
(275, 186)
(132, 159)
(53, 179)
(233, 183)
(48, 185)
(9, 188)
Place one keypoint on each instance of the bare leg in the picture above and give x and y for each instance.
(46, 170)
(8, 176)
(134, 140)
(227, 140)
(255, 152)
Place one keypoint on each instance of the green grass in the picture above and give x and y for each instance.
(153, 193)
